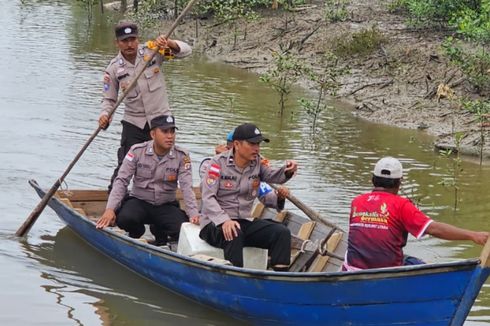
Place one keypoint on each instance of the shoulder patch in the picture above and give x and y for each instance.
(214, 171)
(187, 162)
(213, 174)
(107, 77)
(129, 156)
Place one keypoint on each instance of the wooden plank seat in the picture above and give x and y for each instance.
(299, 257)
(305, 244)
(260, 211)
(313, 255)
(190, 244)
(328, 246)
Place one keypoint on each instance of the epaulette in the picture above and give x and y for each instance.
(181, 149)
(139, 145)
(225, 157)
(113, 61)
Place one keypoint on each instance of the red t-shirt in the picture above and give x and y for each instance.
(378, 229)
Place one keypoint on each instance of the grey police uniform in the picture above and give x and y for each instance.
(146, 100)
(228, 192)
(267, 197)
(153, 195)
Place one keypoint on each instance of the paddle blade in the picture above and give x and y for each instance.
(29, 222)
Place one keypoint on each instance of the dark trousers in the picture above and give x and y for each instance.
(130, 135)
(265, 234)
(165, 219)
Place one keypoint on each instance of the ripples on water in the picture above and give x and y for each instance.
(51, 86)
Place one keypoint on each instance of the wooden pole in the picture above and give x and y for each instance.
(31, 219)
(485, 255)
(313, 215)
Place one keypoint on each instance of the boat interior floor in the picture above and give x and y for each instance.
(316, 247)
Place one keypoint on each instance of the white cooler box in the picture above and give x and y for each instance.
(190, 244)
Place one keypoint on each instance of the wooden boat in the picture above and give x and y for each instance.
(431, 294)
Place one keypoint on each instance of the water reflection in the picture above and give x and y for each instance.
(50, 104)
(95, 290)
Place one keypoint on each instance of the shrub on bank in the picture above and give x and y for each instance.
(360, 43)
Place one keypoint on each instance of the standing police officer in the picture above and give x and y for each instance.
(228, 193)
(155, 167)
(148, 98)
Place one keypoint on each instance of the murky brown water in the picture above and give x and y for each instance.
(51, 68)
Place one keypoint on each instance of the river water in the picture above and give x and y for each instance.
(50, 87)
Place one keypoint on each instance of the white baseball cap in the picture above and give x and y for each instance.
(389, 168)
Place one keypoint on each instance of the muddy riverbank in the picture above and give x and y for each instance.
(395, 84)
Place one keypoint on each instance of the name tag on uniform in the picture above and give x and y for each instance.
(122, 76)
(228, 177)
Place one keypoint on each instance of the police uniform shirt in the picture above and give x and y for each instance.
(148, 98)
(266, 195)
(154, 179)
(228, 192)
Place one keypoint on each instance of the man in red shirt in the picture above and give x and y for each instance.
(381, 220)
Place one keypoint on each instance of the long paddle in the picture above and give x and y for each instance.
(26, 226)
(315, 216)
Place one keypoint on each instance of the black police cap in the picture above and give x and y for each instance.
(124, 30)
(163, 122)
(249, 132)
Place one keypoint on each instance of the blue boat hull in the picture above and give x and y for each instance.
(434, 294)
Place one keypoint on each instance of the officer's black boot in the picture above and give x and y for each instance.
(161, 237)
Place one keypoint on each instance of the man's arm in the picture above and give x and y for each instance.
(185, 182)
(282, 193)
(450, 232)
(271, 198)
(179, 48)
(109, 98)
(210, 186)
(280, 175)
(119, 190)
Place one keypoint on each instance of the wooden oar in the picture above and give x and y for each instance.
(26, 226)
(315, 216)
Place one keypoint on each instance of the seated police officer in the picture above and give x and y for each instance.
(155, 167)
(267, 196)
(229, 189)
